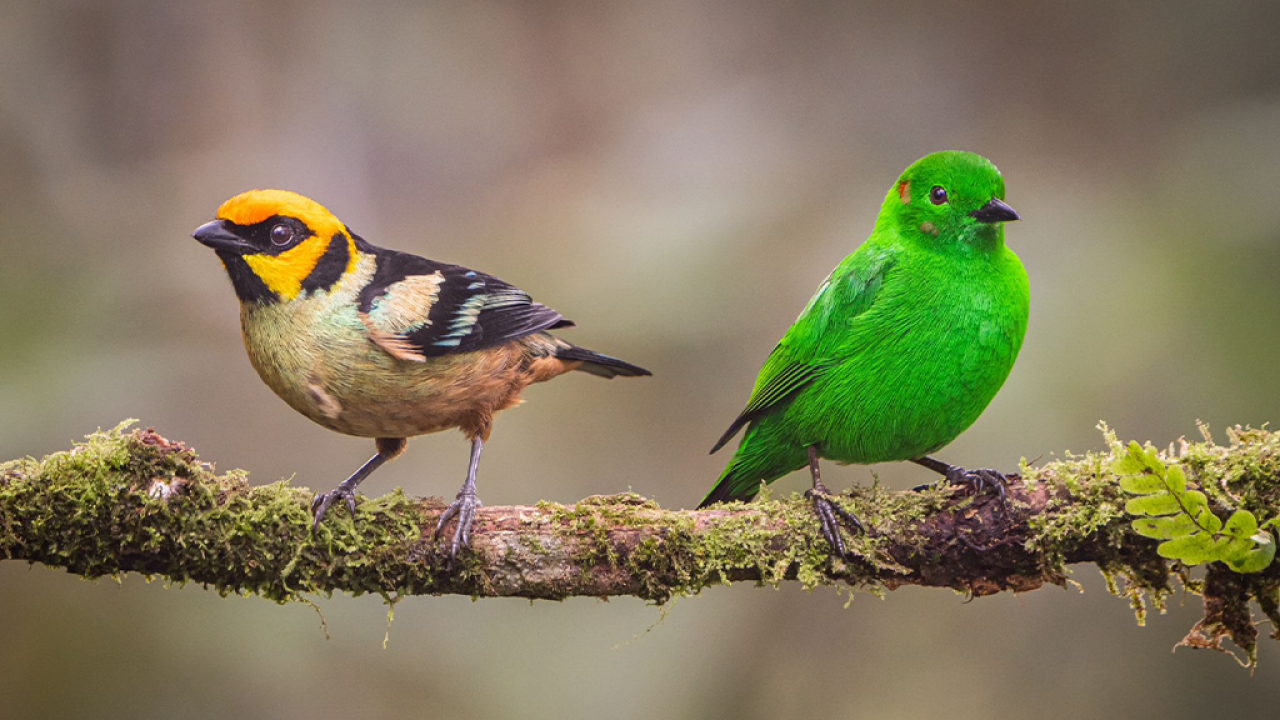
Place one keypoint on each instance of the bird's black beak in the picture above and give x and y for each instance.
(215, 235)
(996, 210)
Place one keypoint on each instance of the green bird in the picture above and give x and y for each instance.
(901, 348)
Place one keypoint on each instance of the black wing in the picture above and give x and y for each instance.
(417, 308)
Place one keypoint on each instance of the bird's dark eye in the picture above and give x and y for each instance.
(938, 195)
(281, 234)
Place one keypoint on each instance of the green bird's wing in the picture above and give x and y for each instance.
(811, 346)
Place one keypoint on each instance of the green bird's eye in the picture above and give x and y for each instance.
(281, 234)
(938, 195)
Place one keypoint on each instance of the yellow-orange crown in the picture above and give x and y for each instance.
(254, 206)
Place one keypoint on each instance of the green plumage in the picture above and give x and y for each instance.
(903, 345)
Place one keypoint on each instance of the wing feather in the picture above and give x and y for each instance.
(416, 308)
(804, 355)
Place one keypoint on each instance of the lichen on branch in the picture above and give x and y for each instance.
(132, 501)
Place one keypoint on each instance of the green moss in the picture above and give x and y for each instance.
(173, 517)
(131, 501)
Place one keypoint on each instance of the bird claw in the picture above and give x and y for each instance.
(980, 480)
(322, 501)
(464, 507)
(832, 516)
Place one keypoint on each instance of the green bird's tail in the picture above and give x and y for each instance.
(762, 458)
(735, 483)
(743, 477)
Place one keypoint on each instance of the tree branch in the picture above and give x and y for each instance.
(136, 502)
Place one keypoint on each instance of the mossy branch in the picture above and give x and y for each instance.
(135, 502)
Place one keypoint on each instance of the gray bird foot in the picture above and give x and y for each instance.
(832, 516)
(465, 509)
(320, 504)
(979, 480)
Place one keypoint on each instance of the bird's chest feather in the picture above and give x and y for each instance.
(925, 362)
(309, 352)
(978, 329)
(972, 330)
(316, 355)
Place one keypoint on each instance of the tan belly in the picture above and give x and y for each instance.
(335, 376)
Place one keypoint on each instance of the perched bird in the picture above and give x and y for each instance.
(901, 348)
(383, 344)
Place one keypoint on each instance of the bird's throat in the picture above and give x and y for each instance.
(248, 286)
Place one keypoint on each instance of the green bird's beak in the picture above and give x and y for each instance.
(996, 210)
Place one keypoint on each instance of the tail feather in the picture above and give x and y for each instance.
(731, 486)
(598, 364)
(738, 423)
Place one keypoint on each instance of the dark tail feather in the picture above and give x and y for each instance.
(729, 488)
(737, 425)
(601, 365)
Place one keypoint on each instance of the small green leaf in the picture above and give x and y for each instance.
(1142, 484)
(1206, 519)
(1176, 480)
(1256, 559)
(1164, 528)
(1241, 524)
(1151, 457)
(1193, 501)
(1194, 549)
(1127, 464)
(1235, 548)
(1164, 504)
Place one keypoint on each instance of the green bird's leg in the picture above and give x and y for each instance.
(829, 512)
(466, 503)
(388, 448)
(979, 480)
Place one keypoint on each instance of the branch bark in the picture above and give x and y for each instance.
(136, 502)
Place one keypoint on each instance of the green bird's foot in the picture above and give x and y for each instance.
(832, 516)
(979, 480)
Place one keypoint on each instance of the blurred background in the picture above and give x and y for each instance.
(677, 177)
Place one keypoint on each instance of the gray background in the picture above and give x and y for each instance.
(677, 177)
